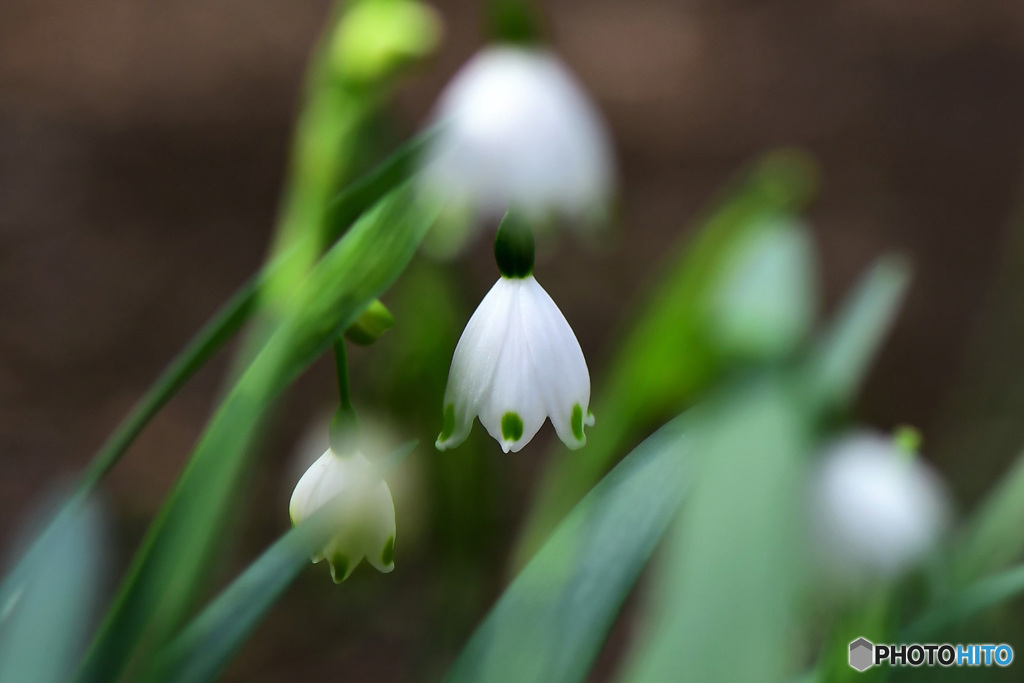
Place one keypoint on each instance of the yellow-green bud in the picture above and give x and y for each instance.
(377, 37)
(375, 321)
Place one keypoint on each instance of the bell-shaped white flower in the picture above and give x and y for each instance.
(365, 521)
(517, 363)
(876, 509)
(514, 128)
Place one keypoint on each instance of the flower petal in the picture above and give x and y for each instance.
(558, 363)
(474, 363)
(514, 410)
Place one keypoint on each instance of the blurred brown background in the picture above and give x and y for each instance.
(142, 148)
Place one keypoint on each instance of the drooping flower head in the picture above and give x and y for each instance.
(877, 510)
(365, 521)
(518, 361)
(514, 128)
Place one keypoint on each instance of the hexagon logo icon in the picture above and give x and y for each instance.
(862, 654)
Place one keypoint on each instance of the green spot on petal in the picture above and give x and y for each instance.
(448, 428)
(388, 555)
(339, 568)
(577, 421)
(511, 427)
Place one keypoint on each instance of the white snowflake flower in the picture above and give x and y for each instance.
(365, 522)
(517, 363)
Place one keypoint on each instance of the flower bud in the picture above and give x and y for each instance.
(377, 37)
(365, 512)
(375, 321)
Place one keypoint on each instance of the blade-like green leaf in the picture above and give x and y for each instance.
(963, 605)
(45, 621)
(994, 537)
(179, 546)
(549, 624)
(667, 358)
(341, 213)
(345, 208)
(841, 359)
(724, 604)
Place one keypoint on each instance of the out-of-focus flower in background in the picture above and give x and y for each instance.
(514, 128)
(365, 511)
(876, 509)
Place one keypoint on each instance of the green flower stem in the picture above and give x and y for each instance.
(515, 21)
(341, 367)
(177, 552)
(344, 432)
(350, 78)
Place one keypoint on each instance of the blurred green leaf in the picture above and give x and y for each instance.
(550, 622)
(667, 359)
(180, 545)
(46, 616)
(994, 537)
(840, 360)
(724, 604)
(965, 604)
(341, 213)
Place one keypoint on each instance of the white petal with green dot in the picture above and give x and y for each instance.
(365, 520)
(517, 364)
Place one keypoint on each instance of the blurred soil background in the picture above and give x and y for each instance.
(143, 146)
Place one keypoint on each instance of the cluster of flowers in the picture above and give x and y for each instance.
(516, 135)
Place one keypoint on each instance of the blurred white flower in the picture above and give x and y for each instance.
(516, 129)
(876, 510)
(517, 363)
(365, 523)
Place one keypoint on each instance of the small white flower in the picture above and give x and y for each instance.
(366, 512)
(877, 510)
(516, 129)
(517, 363)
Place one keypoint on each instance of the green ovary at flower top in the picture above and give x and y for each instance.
(518, 361)
(365, 518)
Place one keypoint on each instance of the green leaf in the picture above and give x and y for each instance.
(549, 624)
(667, 359)
(46, 615)
(344, 209)
(341, 213)
(967, 603)
(841, 359)
(725, 600)
(994, 537)
(180, 545)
